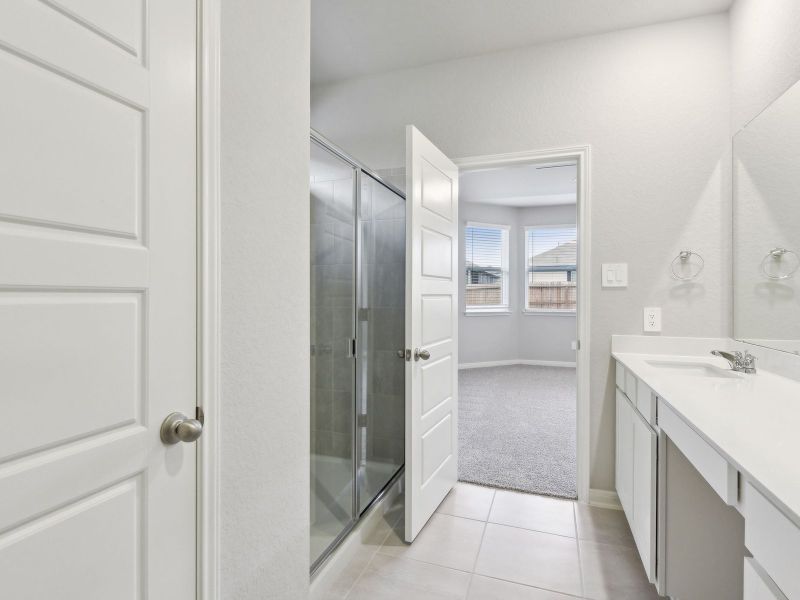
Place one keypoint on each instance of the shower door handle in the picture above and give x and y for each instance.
(421, 353)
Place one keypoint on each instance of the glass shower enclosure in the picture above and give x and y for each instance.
(358, 242)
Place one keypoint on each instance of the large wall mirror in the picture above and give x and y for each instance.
(766, 226)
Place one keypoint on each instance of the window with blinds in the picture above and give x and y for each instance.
(551, 269)
(486, 258)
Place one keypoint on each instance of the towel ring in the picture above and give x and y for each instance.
(776, 255)
(683, 258)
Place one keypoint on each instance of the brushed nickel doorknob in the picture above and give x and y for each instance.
(421, 353)
(177, 427)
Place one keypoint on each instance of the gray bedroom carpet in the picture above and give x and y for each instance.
(516, 428)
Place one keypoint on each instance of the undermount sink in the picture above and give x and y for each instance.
(694, 369)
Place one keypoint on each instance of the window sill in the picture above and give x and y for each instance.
(487, 313)
(549, 313)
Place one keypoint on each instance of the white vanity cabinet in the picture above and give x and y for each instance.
(636, 463)
(624, 455)
(715, 514)
(757, 584)
(774, 542)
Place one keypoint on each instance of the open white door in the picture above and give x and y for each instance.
(97, 299)
(431, 329)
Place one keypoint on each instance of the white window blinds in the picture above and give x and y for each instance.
(551, 268)
(486, 262)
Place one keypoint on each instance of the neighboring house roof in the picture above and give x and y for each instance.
(563, 255)
(484, 273)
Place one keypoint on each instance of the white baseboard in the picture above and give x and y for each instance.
(604, 499)
(517, 361)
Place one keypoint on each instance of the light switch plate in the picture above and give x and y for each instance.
(614, 275)
(652, 319)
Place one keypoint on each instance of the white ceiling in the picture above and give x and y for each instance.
(352, 38)
(527, 185)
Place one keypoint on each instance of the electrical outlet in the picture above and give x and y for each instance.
(652, 319)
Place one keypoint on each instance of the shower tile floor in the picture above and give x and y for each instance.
(491, 544)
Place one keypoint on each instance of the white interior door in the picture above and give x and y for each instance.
(97, 298)
(431, 329)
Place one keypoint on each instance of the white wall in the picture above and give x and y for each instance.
(653, 103)
(765, 54)
(264, 449)
(514, 336)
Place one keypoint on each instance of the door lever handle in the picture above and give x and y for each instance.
(421, 353)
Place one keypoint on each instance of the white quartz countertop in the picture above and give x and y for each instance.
(752, 420)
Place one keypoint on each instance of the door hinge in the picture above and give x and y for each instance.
(351, 348)
(361, 421)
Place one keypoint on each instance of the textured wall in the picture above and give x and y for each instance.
(265, 336)
(765, 54)
(652, 102)
(487, 338)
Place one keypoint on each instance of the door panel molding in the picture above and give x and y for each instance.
(99, 301)
(432, 325)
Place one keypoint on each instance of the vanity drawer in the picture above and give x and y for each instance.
(626, 381)
(719, 474)
(620, 375)
(630, 385)
(773, 540)
(757, 584)
(646, 402)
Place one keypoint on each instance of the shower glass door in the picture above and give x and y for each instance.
(380, 396)
(333, 216)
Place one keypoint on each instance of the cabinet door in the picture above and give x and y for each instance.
(624, 456)
(757, 584)
(644, 493)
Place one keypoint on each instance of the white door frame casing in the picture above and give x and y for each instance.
(582, 155)
(208, 298)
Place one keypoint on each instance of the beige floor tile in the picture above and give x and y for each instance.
(485, 588)
(468, 501)
(392, 578)
(612, 572)
(530, 557)
(540, 513)
(445, 540)
(603, 525)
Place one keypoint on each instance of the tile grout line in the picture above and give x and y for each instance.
(578, 548)
(534, 587)
(480, 544)
(472, 573)
(372, 556)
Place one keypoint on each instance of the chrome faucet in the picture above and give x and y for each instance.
(744, 363)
